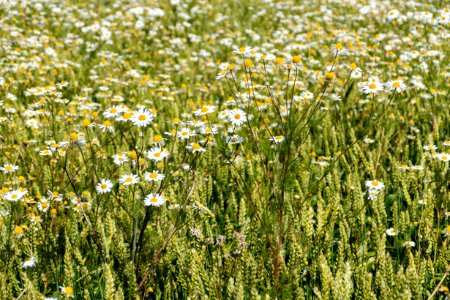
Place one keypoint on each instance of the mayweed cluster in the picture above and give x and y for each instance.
(196, 149)
(374, 188)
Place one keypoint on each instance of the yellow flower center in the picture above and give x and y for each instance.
(142, 117)
(372, 86)
(86, 122)
(153, 175)
(68, 290)
(73, 136)
(129, 179)
(237, 116)
(330, 76)
(153, 200)
(132, 154)
(18, 230)
(279, 60)
(127, 115)
(196, 146)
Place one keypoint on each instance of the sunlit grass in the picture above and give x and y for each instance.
(224, 150)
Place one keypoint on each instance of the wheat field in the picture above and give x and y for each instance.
(224, 149)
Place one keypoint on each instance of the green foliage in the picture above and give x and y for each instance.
(148, 153)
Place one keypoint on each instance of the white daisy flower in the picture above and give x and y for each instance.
(391, 232)
(104, 186)
(9, 168)
(409, 244)
(423, 202)
(106, 126)
(32, 123)
(142, 118)
(43, 204)
(195, 147)
(416, 168)
(234, 139)
(15, 195)
(153, 176)
(185, 133)
(396, 85)
(372, 87)
(114, 111)
(278, 138)
(209, 130)
(373, 194)
(393, 14)
(120, 159)
(157, 154)
(243, 50)
(443, 157)
(429, 148)
(196, 123)
(206, 109)
(221, 74)
(154, 200)
(374, 185)
(446, 231)
(46, 152)
(128, 179)
(236, 116)
(265, 56)
(29, 263)
(67, 291)
(307, 95)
